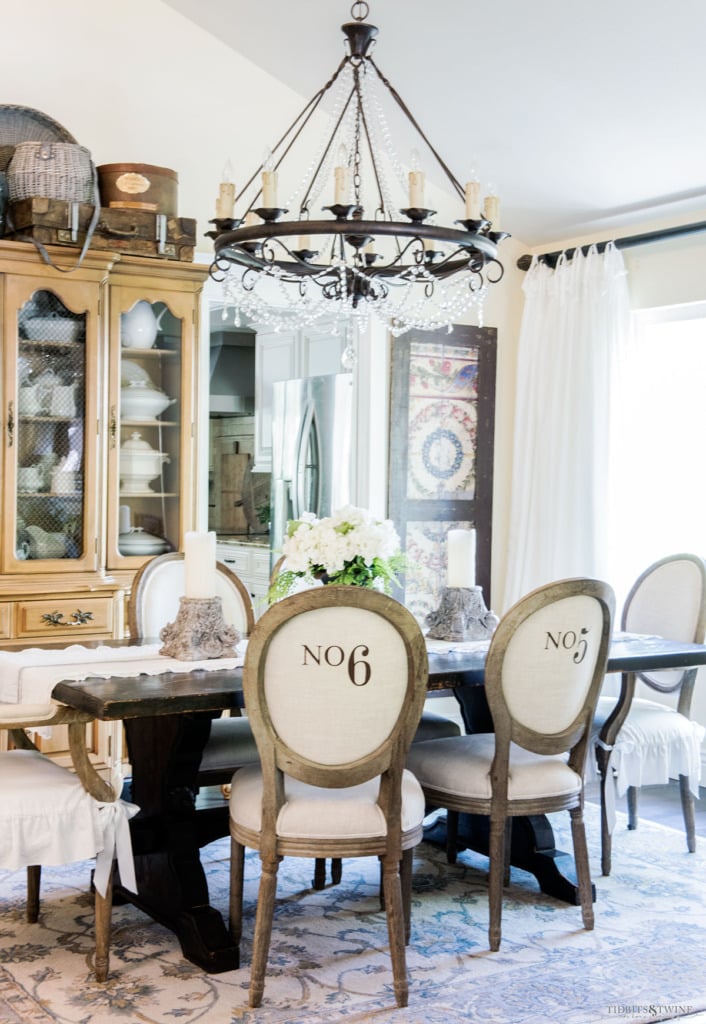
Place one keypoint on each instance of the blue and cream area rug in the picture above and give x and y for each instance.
(329, 962)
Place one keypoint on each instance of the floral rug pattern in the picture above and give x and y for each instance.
(329, 960)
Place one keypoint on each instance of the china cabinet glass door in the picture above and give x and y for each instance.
(50, 502)
(150, 404)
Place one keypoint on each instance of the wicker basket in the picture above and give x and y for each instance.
(53, 170)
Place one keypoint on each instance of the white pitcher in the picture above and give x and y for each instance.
(139, 326)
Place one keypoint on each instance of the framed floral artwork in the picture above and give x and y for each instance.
(442, 417)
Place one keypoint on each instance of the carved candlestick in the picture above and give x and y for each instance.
(199, 631)
(462, 615)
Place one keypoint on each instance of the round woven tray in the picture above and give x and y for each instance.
(24, 124)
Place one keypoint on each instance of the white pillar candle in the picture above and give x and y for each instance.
(199, 564)
(473, 200)
(461, 558)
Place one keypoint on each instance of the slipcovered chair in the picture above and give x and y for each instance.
(641, 742)
(154, 602)
(543, 674)
(50, 816)
(335, 680)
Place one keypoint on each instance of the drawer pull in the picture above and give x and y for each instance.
(78, 618)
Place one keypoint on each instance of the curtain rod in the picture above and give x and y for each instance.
(628, 242)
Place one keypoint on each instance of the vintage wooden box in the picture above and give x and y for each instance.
(135, 232)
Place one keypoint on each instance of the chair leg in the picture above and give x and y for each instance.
(508, 851)
(496, 852)
(632, 807)
(606, 837)
(336, 870)
(34, 877)
(583, 868)
(451, 836)
(263, 928)
(396, 929)
(406, 866)
(237, 870)
(687, 807)
(104, 909)
(319, 879)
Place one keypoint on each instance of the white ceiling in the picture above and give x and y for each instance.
(587, 116)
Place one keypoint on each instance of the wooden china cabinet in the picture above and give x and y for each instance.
(67, 552)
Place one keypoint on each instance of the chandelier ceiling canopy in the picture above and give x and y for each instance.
(361, 240)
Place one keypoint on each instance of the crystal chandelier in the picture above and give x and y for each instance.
(373, 253)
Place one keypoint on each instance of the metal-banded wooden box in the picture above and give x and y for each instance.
(134, 232)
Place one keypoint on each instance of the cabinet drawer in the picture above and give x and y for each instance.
(5, 621)
(66, 615)
(236, 559)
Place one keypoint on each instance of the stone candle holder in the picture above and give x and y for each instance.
(462, 615)
(199, 631)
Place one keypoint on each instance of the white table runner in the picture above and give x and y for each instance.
(28, 677)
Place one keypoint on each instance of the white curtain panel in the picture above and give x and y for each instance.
(575, 319)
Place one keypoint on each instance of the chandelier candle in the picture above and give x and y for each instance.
(473, 200)
(340, 177)
(491, 210)
(199, 564)
(461, 558)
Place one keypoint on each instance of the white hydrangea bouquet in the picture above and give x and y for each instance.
(350, 546)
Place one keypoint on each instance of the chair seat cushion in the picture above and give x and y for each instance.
(654, 745)
(433, 726)
(461, 766)
(230, 745)
(46, 816)
(311, 812)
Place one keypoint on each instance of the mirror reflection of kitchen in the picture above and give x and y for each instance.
(238, 498)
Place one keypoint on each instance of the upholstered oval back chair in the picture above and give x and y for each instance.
(645, 742)
(543, 674)
(154, 602)
(335, 679)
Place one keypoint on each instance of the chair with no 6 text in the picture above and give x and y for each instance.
(543, 674)
(335, 680)
(642, 742)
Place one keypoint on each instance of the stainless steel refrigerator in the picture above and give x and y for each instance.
(312, 450)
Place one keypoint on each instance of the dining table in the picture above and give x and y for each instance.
(167, 720)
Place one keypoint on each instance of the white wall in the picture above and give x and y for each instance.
(138, 82)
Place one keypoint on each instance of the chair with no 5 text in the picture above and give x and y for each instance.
(543, 674)
(335, 680)
(642, 742)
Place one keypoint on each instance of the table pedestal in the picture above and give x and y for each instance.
(167, 834)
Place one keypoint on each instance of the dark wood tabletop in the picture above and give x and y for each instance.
(122, 697)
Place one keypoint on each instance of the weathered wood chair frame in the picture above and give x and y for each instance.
(16, 720)
(231, 743)
(547, 713)
(644, 615)
(269, 666)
